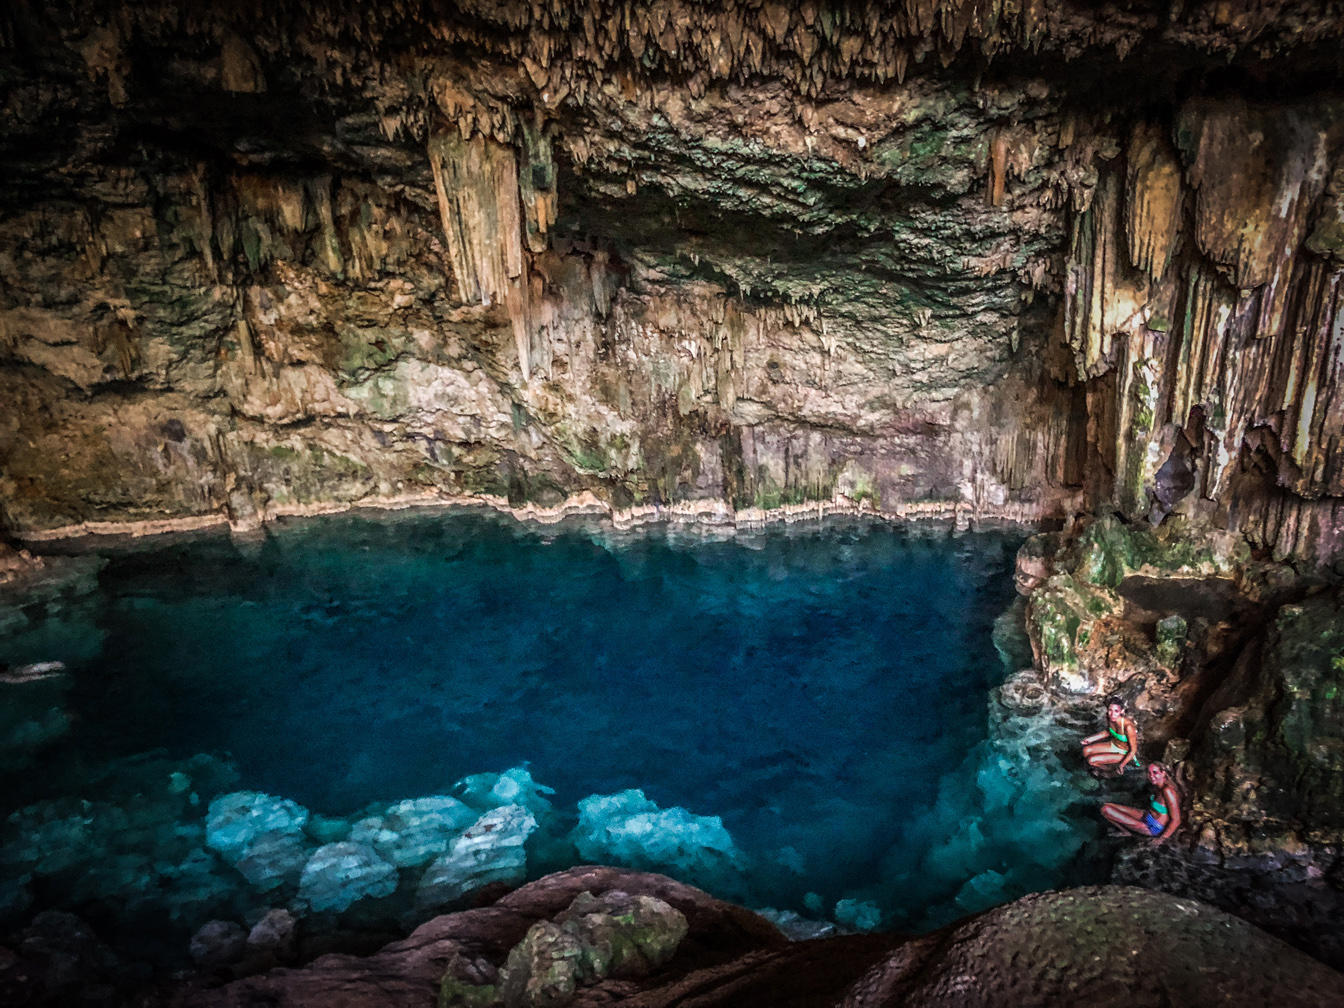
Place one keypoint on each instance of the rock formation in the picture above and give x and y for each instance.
(1105, 945)
(590, 254)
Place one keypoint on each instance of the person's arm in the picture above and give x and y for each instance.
(1173, 801)
(1094, 738)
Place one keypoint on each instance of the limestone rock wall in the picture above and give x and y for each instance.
(1202, 310)
(753, 255)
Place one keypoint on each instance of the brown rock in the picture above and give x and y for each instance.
(408, 972)
(1102, 946)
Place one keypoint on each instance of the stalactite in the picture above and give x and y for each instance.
(725, 41)
(1202, 330)
(1103, 295)
(1235, 335)
(476, 182)
(536, 182)
(329, 246)
(1257, 172)
(998, 166)
(1306, 383)
(1153, 201)
(240, 69)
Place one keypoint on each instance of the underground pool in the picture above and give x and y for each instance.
(367, 719)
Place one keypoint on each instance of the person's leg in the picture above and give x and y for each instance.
(1103, 760)
(1126, 817)
(1103, 754)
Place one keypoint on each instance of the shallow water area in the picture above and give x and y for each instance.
(801, 708)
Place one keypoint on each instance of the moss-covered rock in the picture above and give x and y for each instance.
(1171, 636)
(612, 935)
(1280, 753)
(1265, 787)
(1067, 621)
(1110, 549)
(455, 993)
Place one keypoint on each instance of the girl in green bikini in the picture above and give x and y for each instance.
(1161, 819)
(1117, 746)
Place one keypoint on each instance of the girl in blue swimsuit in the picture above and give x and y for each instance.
(1161, 819)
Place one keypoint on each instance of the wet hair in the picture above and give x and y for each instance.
(1115, 701)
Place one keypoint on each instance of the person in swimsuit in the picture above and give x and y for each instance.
(1161, 819)
(1117, 746)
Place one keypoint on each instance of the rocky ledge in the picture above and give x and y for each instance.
(1230, 662)
(604, 936)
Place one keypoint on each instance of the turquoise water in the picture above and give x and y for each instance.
(821, 690)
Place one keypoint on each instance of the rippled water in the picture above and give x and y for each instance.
(812, 686)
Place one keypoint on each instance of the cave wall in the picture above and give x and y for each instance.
(962, 259)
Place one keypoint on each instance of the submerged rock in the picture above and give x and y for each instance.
(861, 915)
(194, 887)
(327, 829)
(795, 927)
(32, 712)
(50, 614)
(139, 852)
(52, 836)
(413, 832)
(61, 961)
(340, 874)
(34, 672)
(512, 787)
(235, 820)
(14, 562)
(261, 835)
(490, 851)
(273, 859)
(630, 830)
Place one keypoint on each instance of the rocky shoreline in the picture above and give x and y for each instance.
(704, 512)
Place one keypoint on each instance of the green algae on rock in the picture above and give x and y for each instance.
(612, 935)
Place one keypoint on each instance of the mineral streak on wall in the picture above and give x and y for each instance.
(269, 259)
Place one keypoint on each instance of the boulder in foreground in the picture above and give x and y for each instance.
(1101, 946)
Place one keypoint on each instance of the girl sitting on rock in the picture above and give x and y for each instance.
(1114, 748)
(1161, 819)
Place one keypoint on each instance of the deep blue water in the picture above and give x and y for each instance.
(813, 686)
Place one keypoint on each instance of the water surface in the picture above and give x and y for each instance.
(813, 686)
